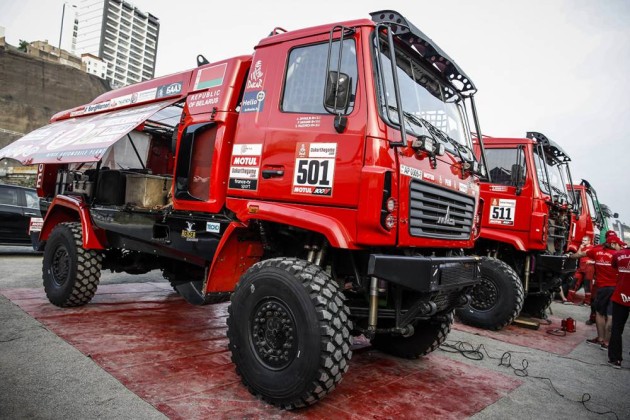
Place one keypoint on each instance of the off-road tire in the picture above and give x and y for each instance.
(497, 300)
(427, 337)
(71, 274)
(209, 298)
(536, 304)
(289, 332)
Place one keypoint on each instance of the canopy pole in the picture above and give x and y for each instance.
(136, 150)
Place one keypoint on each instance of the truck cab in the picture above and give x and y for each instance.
(525, 223)
(588, 218)
(326, 185)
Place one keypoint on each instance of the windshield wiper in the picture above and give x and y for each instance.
(436, 132)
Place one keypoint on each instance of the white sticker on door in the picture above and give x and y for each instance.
(502, 211)
(314, 168)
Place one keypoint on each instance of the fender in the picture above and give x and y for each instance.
(336, 225)
(503, 236)
(235, 254)
(70, 209)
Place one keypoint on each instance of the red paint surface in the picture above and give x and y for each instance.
(539, 339)
(174, 356)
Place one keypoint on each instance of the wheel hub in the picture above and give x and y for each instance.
(273, 334)
(60, 266)
(484, 295)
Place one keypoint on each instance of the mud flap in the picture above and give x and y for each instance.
(191, 292)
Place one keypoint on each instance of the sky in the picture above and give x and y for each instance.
(559, 67)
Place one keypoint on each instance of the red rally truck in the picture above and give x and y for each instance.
(525, 226)
(588, 217)
(325, 185)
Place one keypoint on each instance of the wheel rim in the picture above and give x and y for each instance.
(273, 334)
(484, 295)
(60, 266)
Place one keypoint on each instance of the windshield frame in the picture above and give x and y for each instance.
(383, 74)
(552, 166)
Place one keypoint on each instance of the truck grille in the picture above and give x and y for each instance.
(428, 207)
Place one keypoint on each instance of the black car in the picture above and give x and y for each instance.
(20, 216)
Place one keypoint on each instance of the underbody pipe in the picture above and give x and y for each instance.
(527, 267)
(373, 314)
(321, 253)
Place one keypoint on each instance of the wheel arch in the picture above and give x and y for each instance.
(73, 209)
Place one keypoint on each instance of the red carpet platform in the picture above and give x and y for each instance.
(174, 356)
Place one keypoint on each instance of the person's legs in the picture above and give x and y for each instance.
(619, 316)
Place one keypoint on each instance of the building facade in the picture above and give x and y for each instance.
(122, 35)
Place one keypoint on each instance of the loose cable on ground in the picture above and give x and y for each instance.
(469, 351)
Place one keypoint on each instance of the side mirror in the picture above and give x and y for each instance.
(517, 178)
(338, 87)
(517, 175)
(616, 216)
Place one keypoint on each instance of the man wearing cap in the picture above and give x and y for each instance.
(620, 306)
(605, 280)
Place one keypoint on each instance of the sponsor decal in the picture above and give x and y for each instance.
(314, 168)
(307, 122)
(463, 187)
(245, 166)
(255, 79)
(210, 77)
(35, 224)
(210, 97)
(253, 101)
(213, 227)
(411, 172)
(428, 176)
(448, 182)
(189, 232)
(502, 211)
(498, 188)
(169, 89)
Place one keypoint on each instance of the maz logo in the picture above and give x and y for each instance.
(446, 219)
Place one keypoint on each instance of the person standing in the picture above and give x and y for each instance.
(620, 306)
(584, 274)
(605, 281)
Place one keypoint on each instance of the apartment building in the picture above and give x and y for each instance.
(123, 36)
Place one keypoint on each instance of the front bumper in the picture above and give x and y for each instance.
(426, 274)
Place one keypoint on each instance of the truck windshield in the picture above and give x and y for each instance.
(425, 100)
(556, 186)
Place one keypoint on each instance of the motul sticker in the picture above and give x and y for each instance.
(502, 211)
(314, 168)
(411, 172)
(245, 167)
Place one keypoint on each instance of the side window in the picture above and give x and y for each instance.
(306, 74)
(8, 196)
(501, 164)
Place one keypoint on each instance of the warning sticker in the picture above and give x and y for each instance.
(245, 166)
(314, 168)
(502, 211)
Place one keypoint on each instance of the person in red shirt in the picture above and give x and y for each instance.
(605, 280)
(584, 273)
(620, 306)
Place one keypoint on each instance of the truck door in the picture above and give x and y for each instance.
(303, 158)
(508, 206)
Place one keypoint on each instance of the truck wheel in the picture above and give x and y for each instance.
(426, 338)
(497, 300)
(536, 305)
(71, 274)
(289, 332)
